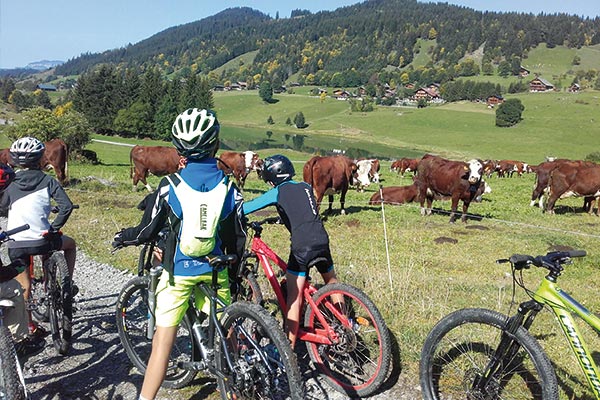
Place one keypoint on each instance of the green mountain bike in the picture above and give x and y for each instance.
(476, 353)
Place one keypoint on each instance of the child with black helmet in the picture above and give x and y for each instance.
(297, 208)
(192, 237)
(28, 201)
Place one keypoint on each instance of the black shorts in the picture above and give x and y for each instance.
(300, 261)
(24, 253)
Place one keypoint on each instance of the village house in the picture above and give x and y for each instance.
(523, 71)
(493, 100)
(428, 95)
(574, 88)
(341, 94)
(47, 87)
(540, 85)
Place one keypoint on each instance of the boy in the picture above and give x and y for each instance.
(27, 200)
(180, 197)
(16, 319)
(297, 209)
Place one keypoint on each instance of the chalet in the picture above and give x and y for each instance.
(235, 86)
(540, 85)
(523, 71)
(341, 94)
(434, 87)
(243, 85)
(574, 88)
(494, 100)
(410, 86)
(427, 94)
(47, 87)
(295, 84)
(218, 88)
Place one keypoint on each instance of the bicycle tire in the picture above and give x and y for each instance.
(60, 303)
(247, 288)
(251, 378)
(11, 386)
(132, 321)
(459, 348)
(359, 363)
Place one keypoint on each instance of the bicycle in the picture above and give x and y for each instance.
(483, 354)
(51, 297)
(12, 381)
(243, 348)
(345, 335)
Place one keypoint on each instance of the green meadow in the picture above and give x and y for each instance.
(415, 268)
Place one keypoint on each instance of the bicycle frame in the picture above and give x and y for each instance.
(562, 304)
(266, 256)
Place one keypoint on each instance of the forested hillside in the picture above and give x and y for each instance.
(348, 46)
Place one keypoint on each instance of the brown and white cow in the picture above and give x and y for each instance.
(329, 176)
(55, 157)
(506, 168)
(239, 164)
(457, 180)
(569, 180)
(363, 175)
(395, 195)
(155, 160)
(542, 172)
(489, 167)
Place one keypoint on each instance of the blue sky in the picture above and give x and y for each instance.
(34, 30)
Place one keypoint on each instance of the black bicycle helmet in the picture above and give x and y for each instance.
(26, 152)
(277, 169)
(6, 176)
(196, 133)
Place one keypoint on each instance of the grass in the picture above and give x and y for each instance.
(435, 267)
(430, 274)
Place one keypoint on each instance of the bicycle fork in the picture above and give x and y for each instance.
(507, 348)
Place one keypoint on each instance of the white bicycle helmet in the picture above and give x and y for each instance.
(196, 133)
(26, 152)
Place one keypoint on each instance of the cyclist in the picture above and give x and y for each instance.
(203, 211)
(296, 206)
(28, 201)
(16, 319)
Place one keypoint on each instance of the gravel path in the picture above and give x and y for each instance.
(98, 368)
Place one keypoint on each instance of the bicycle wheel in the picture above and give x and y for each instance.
(132, 322)
(359, 362)
(264, 365)
(247, 288)
(11, 386)
(460, 348)
(60, 299)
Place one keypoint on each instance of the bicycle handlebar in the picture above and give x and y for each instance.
(257, 225)
(5, 235)
(550, 261)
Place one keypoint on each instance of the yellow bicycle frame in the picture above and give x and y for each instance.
(562, 304)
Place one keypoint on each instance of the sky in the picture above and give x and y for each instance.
(35, 30)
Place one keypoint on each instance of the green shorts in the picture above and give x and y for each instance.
(172, 300)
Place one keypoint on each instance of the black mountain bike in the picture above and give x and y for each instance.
(244, 348)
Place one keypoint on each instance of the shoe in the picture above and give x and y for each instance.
(29, 347)
(74, 290)
(37, 332)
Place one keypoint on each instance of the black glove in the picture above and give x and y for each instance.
(118, 240)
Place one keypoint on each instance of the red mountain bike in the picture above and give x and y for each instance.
(348, 341)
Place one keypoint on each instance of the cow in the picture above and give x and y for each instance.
(509, 167)
(156, 160)
(395, 195)
(374, 172)
(362, 176)
(542, 172)
(569, 179)
(457, 180)
(239, 164)
(329, 176)
(55, 157)
(409, 165)
(395, 166)
(489, 167)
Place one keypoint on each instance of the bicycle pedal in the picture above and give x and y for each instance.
(192, 365)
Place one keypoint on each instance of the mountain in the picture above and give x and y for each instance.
(43, 64)
(347, 46)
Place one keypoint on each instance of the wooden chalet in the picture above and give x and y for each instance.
(427, 94)
(540, 85)
(574, 88)
(493, 100)
(341, 94)
(523, 71)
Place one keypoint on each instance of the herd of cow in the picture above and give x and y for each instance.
(434, 178)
